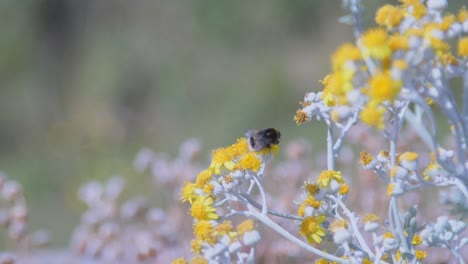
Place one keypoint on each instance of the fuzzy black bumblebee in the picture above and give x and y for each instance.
(260, 139)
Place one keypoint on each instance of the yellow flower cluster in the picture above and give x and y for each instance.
(370, 74)
(200, 194)
(311, 227)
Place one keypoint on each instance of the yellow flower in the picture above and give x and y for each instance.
(463, 47)
(382, 87)
(224, 228)
(344, 189)
(311, 228)
(196, 246)
(312, 202)
(301, 117)
(245, 226)
(388, 235)
(203, 178)
(365, 158)
(208, 188)
(389, 16)
(202, 209)
(336, 85)
(371, 218)
(390, 188)
(328, 98)
(419, 10)
(375, 42)
(311, 188)
(338, 224)
(398, 42)
(273, 149)
(420, 255)
(462, 15)
(447, 22)
(417, 240)
(198, 260)
(301, 210)
(324, 261)
(400, 64)
(448, 59)
(203, 230)
(409, 156)
(240, 148)
(179, 261)
(249, 161)
(327, 176)
(187, 193)
(373, 116)
(344, 53)
(221, 158)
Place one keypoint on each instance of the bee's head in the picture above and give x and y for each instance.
(273, 134)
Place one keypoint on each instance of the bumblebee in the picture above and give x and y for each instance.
(261, 139)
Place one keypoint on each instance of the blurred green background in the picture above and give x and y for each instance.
(85, 84)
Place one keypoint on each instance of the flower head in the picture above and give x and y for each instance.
(375, 42)
(311, 228)
(202, 209)
(373, 115)
(327, 176)
(389, 16)
(249, 161)
(463, 47)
